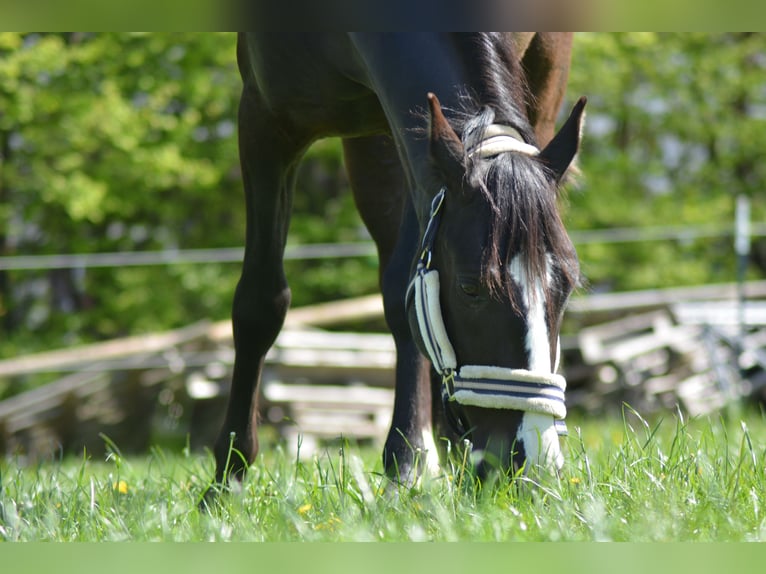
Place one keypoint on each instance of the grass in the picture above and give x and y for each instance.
(625, 480)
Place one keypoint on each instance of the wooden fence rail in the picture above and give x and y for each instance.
(647, 349)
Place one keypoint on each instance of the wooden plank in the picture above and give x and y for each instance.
(311, 339)
(30, 409)
(336, 312)
(328, 411)
(653, 298)
(50, 395)
(605, 342)
(53, 361)
(331, 375)
(720, 313)
(332, 358)
(371, 306)
(644, 344)
(329, 396)
(322, 425)
(701, 395)
(322, 314)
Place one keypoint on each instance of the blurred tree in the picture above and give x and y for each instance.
(127, 142)
(113, 142)
(124, 142)
(675, 125)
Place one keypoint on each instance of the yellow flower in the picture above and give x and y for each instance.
(121, 487)
(304, 509)
(329, 524)
(574, 480)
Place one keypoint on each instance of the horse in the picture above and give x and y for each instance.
(455, 169)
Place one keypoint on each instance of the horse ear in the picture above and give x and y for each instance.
(447, 150)
(561, 150)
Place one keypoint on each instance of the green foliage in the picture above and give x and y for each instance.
(125, 142)
(625, 480)
(116, 142)
(675, 126)
(324, 212)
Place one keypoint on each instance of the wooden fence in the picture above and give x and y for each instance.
(696, 349)
(317, 384)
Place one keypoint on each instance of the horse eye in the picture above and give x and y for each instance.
(470, 289)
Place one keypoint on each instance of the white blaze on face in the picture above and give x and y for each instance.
(537, 431)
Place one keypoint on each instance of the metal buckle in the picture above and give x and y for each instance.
(448, 384)
(425, 258)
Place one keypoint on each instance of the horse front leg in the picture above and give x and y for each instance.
(410, 447)
(380, 192)
(268, 158)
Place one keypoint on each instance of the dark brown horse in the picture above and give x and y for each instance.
(450, 149)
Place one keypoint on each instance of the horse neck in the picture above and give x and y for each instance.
(479, 67)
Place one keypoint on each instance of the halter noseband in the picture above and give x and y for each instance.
(477, 385)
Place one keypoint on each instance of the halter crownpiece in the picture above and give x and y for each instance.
(476, 385)
(499, 139)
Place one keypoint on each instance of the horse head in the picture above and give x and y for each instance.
(493, 276)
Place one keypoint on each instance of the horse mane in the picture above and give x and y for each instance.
(522, 194)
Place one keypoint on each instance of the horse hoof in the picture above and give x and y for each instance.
(210, 497)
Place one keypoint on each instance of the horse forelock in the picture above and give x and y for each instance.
(524, 219)
(522, 195)
(525, 223)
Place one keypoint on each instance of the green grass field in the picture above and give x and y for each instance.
(625, 480)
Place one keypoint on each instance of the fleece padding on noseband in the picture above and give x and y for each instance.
(502, 388)
(431, 323)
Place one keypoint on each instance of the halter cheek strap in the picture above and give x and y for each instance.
(475, 385)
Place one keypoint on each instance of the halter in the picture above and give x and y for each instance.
(477, 385)
(500, 139)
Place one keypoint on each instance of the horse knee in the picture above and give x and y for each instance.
(258, 315)
(393, 290)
